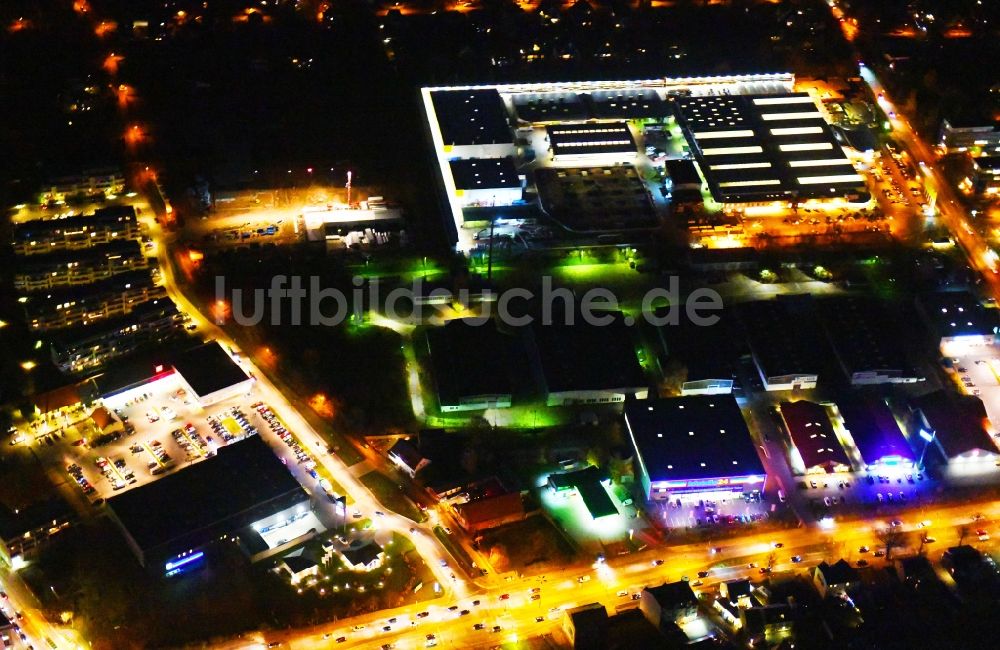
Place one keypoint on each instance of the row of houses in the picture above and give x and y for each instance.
(105, 225)
(86, 283)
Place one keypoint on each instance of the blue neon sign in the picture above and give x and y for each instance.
(173, 566)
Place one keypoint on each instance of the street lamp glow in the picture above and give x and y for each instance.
(28, 365)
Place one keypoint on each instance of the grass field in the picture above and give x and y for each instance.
(532, 543)
(388, 494)
(456, 550)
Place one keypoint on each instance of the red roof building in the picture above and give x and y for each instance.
(815, 445)
(490, 512)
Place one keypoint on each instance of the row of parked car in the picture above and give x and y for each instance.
(220, 429)
(190, 441)
(116, 475)
(279, 429)
(162, 460)
(77, 473)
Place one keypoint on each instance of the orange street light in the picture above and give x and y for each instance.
(134, 135)
(111, 62)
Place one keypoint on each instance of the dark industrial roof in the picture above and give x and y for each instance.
(623, 104)
(863, 335)
(861, 138)
(671, 595)
(700, 436)
(472, 360)
(973, 117)
(706, 352)
(243, 483)
(766, 147)
(550, 107)
(958, 313)
(588, 483)
(958, 422)
(873, 428)
(470, 117)
(596, 199)
(582, 356)
(208, 368)
(782, 334)
(682, 172)
(590, 138)
(627, 104)
(484, 173)
(252, 540)
(812, 434)
(363, 554)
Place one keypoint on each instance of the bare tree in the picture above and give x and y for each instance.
(892, 538)
(772, 559)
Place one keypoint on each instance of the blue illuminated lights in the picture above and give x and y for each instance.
(175, 566)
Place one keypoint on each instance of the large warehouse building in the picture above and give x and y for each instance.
(759, 149)
(211, 374)
(815, 447)
(586, 363)
(687, 447)
(876, 435)
(594, 124)
(952, 428)
(171, 520)
(865, 340)
(476, 366)
(784, 341)
(958, 321)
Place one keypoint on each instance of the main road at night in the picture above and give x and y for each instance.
(432, 551)
(517, 615)
(505, 609)
(509, 604)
